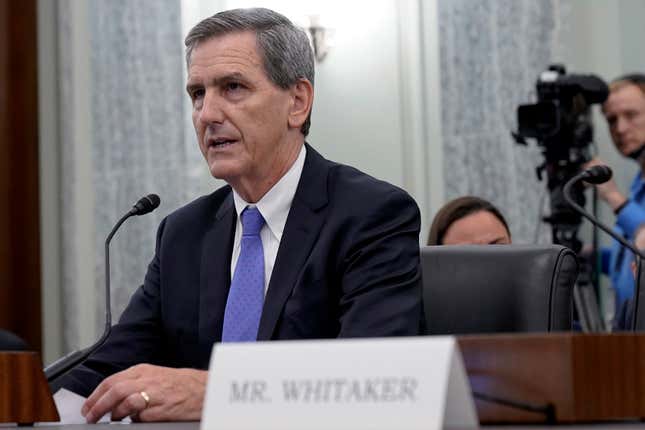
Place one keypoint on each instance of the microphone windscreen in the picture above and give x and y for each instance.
(597, 174)
(146, 204)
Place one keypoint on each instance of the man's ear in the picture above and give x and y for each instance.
(302, 98)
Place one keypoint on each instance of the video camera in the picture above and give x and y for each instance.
(560, 121)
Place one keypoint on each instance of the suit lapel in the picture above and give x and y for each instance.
(215, 273)
(305, 219)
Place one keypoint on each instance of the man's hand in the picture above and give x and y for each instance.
(609, 190)
(173, 395)
(639, 237)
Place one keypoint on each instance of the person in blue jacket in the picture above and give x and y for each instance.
(624, 111)
(625, 314)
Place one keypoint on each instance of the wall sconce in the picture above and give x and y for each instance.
(320, 37)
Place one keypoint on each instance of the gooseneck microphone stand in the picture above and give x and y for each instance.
(61, 366)
(598, 175)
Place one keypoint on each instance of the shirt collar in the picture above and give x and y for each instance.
(275, 204)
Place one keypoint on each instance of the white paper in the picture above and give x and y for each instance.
(69, 406)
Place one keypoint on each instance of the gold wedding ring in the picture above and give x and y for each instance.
(146, 397)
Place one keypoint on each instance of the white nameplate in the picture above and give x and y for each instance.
(389, 383)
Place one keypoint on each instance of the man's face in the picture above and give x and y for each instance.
(240, 116)
(625, 113)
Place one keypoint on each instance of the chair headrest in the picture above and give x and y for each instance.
(497, 288)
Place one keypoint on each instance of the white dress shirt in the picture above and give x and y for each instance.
(274, 207)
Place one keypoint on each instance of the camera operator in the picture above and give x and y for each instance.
(625, 314)
(624, 111)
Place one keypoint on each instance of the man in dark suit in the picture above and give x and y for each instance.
(295, 247)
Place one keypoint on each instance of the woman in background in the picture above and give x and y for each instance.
(469, 221)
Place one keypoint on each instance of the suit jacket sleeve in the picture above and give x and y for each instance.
(381, 280)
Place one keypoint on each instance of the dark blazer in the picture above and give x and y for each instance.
(347, 266)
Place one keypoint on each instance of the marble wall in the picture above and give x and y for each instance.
(138, 129)
(133, 108)
(491, 54)
(70, 300)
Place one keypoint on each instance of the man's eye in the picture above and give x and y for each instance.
(197, 94)
(233, 86)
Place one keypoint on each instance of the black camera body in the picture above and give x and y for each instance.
(560, 121)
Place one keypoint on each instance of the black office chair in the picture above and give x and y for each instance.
(11, 342)
(498, 288)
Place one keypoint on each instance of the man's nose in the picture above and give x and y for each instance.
(622, 125)
(211, 111)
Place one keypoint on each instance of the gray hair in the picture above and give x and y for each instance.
(285, 50)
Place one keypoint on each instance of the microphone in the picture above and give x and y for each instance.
(598, 175)
(61, 366)
(145, 205)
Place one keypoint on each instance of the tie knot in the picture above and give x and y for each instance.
(252, 221)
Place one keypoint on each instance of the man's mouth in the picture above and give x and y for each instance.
(220, 142)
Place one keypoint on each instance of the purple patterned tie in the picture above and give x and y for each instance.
(246, 295)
